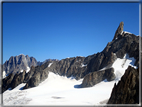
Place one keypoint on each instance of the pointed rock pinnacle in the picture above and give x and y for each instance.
(119, 30)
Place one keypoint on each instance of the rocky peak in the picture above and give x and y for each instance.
(127, 89)
(119, 30)
(17, 63)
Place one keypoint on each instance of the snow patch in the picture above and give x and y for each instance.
(28, 69)
(4, 74)
(120, 65)
(21, 70)
(82, 65)
(103, 68)
(127, 32)
(122, 32)
(50, 64)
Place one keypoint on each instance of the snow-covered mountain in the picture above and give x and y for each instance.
(17, 64)
(60, 90)
(77, 80)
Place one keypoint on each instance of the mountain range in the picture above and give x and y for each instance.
(93, 69)
(17, 64)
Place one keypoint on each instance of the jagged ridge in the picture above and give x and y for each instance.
(80, 67)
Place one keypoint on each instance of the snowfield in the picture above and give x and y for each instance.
(60, 90)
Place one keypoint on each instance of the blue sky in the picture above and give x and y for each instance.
(61, 30)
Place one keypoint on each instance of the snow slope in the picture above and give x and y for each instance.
(60, 90)
(120, 65)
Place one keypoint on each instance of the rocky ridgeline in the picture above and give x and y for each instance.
(74, 66)
(88, 67)
(127, 89)
(128, 43)
(18, 63)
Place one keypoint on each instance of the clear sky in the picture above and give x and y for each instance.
(61, 30)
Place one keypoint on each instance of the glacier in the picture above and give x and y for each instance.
(60, 90)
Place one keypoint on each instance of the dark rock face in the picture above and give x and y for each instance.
(74, 66)
(18, 63)
(18, 79)
(95, 77)
(115, 49)
(47, 60)
(122, 43)
(12, 81)
(32, 78)
(68, 67)
(38, 76)
(6, 82)
(127, 90)
(100, 61)
(119, 30)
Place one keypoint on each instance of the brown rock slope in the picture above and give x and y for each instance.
(127, 89)
(95, 77)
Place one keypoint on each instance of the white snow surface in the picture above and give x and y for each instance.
(50, 64)
(4, 74)
(60, 90)
(82, 65)
(28, 69)
(21, 70)
(127, 32)
(120, 65)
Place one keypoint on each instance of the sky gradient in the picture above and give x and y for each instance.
(61, 30)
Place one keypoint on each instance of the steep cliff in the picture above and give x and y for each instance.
(127, 89)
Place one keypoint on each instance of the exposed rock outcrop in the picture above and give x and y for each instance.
(39, 75)
(18, 79)
(6, 82)
(74, 67)
(117, 48)
(127, 89)
(126, 43)
(119, 31)
(95, 77)
(21, 62)
(16, 64)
